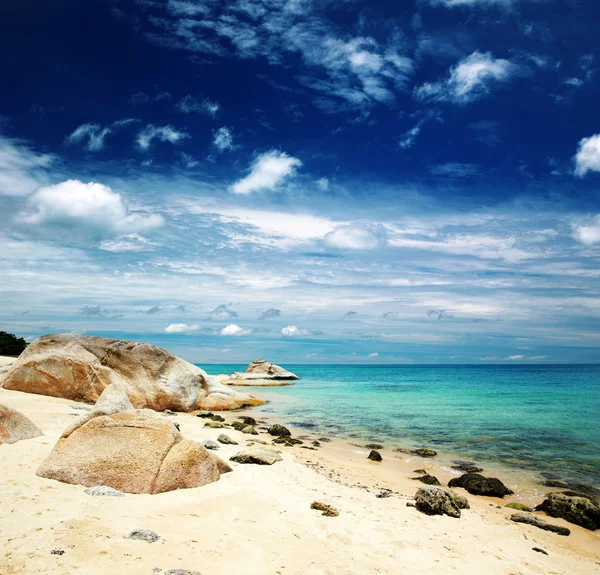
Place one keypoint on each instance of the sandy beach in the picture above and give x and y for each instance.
(258, 520)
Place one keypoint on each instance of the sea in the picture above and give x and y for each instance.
(539, 418)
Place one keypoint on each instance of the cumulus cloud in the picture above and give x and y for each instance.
(189, 105)
(471, 79)
(356, 237)
(268, 171)
(94, 134)
(373, 354)
(587, 158)
(90, 211)
(182, 328)
(270, 313)
(222, 313)
(589, 233)
(21, 168)
(223, 139)
(236, 330)
(323, 184)
(162, 133)
(293, 331)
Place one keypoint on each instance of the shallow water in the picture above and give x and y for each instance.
(539, 418)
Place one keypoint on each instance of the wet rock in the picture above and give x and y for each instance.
(519, 507)
(324, 439)
(226, 440)
(375, 456)
(540, 523)
(577, 510)
(279, 430)
(539, 550)
(328, 510)
(480, 485)
(427, 479)
(373, 446)
(143, 535)
(425, 452)
(288, 441)
(214, 424)
(104, 491)
(440, 501)
(579, 488)
(248, 420)
(420, 471)
(210, 444)
(466, 466)
(257, 455)
(316, 443)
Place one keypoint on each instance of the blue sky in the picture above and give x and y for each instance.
(302, 180)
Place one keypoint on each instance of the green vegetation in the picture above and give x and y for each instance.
(11, 344)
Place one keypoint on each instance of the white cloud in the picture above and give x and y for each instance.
(223, 139)
(190, 104)
(182, 328)
(574, 82)
(128, 243)
(514, 357)
(269, 170)
(293, 331)
(162, 133)
(233, 329)
(471, 79)
(21, 169)
(409, 137)
(323, 184)
(95, 134)
(373, 354)
(356, 237)
(587, 158)
(588, 234)
(88, 210)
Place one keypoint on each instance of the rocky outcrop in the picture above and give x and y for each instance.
(440, 501)
(578, 510)
(14, 426)
(480, 485)
(80, 368)
(539, 523)
(262, 373)
(134, 451)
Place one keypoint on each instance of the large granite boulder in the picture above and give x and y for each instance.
(440, 501)
(14, 426)
(134, 451)
(480, 485)
(578, 510)
(262, 373)
(80, 368)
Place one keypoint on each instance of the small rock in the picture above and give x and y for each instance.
(384, 494)
(57, 552)
(248, 420)
(324, 439)
(249, 429)
(328, 510)
(257, 455)
(239, 425)
(427, 479)
(539, 550)
(307, 447)
(425, 452)
(375, 456)
(253, 441)
(440, 501)
(411, 504)
(316, 443)
(480, 485)
(519, 507)
(213, 424)
(537, 522)
(168, 412)
(210, 444)
(104, 491)
(420, 471)
(143, 535)
(279, 430)
(466, 466)
(204, 414)
(287, 441)
(181, 572)
(226, 440)
(373, 446)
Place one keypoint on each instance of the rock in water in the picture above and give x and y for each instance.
(226, 440)
(480, 485)
(424, 452)
(14, 426)
(135, 451)
(279, 430)
(375, 456)
(257, 455)
(79, 368)
(143, 535)
(104, 491)
(537, 522)
(427, 479)
(328, 510)
(261, 372)
(440, 501)
(578, 510)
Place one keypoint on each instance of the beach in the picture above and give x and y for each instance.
(258, 519)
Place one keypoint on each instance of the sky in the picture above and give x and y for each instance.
(305, 181)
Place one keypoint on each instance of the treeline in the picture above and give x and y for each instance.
(11, 344)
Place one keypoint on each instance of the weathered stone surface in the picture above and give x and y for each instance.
(440, 501)
(214, 424)
(210, 444)
(257, 455)
(143, 535)
(425, 452)
(104, 491)
(279, 430)
(226, 440)
(14, 426)
(113, 399)
(287, 441)
(519, 507)
(375, 456)
(80, 368)
(249, 430)
(134, 451)
(578, 510)
(248, 420)
(261, 372)
(327, 510)
(480, 485)
(427, 479)
(537, 522)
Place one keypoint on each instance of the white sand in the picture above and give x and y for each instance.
(5, 360)
(257, 520)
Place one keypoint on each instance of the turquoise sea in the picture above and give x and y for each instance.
(540, 418)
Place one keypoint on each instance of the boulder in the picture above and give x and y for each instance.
(440, 501)
(249, 429)
(375, 456)
(279, 430)
(287, 441)
(519, 507)
(257, 455)
(14, 426)
(226, 440)
(540, 523)
(248, 420)
(425, 452)
(480, 485)
(466, 466)
(210, 444)
(578, 510)
(261, 372)
(134, 451)
(427, 479)
(327, 510)
(80, 367)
